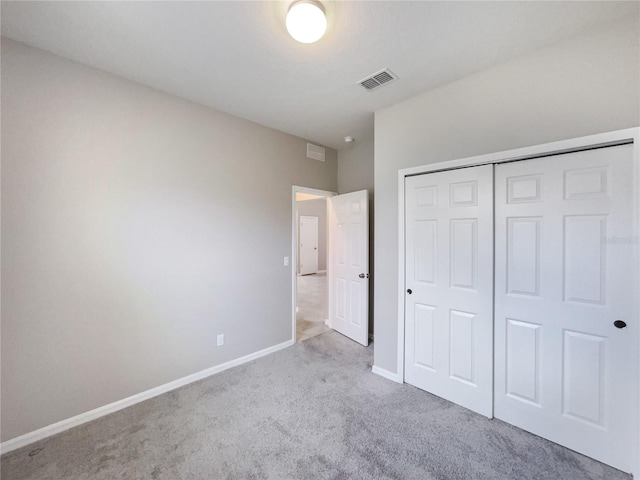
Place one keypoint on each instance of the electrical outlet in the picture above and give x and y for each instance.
(286, 261)
(221, 339)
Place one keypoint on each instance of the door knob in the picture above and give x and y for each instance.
(619, 324)
(409, 291)
(364, 275)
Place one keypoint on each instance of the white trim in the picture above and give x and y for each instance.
(635, 417)
(330, 273)
(401, 277)
(49, 430)
(313, 191)
(387, 374)
(294, 246)
(319, 271)
(564, 146)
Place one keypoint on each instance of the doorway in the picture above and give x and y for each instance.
(312, 300)
(337, 296)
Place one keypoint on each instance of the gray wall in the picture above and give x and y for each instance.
(355, 172)
(355, 167)
(315, 208)
(584, 86)
(136, 226)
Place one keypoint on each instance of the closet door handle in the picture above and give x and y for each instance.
(409, 291)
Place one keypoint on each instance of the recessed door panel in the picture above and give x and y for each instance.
(424, 318)
(584, 258)
(341, 298)
(464, 194)
(463, 252)
(522, 362)
(341, 236)
(355, 316)
(461, 346)
(426, 196)
(583, 377)
(523, 255)
(426, 249)
(585, 182)
(524, 189)
(356, 232)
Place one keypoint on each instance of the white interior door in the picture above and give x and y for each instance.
(564, 259)
(308, 235)
(449, 285)
(348, 265)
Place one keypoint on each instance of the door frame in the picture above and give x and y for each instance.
(618, 137)
(294, 246)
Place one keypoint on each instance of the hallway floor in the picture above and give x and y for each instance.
(312, 302)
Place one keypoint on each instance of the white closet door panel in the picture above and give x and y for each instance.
(562, 369)
(449, 260)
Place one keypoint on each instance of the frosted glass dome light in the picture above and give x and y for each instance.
(306, 21)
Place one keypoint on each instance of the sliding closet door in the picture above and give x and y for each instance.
(449, 285)
(566, 368)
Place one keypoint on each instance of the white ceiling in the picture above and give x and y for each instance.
(237, 57)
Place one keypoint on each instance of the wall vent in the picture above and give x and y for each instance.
(378, 79)
(315, 152)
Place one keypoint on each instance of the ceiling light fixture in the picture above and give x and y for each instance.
(349, 139)
(306, 21)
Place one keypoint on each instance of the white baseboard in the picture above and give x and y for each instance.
(394, 377)
(68, 423)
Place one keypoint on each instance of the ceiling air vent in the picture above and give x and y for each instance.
(315, 152)
(378, 79)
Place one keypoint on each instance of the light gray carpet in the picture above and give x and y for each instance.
(312, 411)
